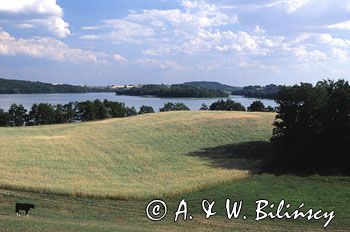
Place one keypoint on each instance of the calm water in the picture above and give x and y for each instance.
(27, 100)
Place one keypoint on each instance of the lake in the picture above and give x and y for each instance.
(27, 100)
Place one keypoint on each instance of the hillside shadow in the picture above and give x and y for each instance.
(253, 156)
(258, 157)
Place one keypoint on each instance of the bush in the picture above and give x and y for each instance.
(169, 106)
(256, 106)
(4, 118)
(16, 115)
(146, 110)
(227, 105)
(204, 107)
(312, 127)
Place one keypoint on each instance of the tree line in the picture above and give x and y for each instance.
(257, 91)
(171, 91)
(45, 114)
(27, 87)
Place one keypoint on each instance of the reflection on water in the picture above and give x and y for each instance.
(27, 100)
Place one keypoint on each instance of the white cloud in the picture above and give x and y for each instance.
(342, 26)
(330, 40)
(339, 54)
(50, 48)
(162, 64)
(119, 31)
(42, 13)
(238, 41)
(259, 30)
(25, 26)
(290, 6)
(304, 54)
(119, 58)
(156, 25)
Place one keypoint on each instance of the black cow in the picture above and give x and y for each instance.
(25, 207)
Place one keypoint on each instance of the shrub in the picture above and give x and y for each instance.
(146, 110)
(169, 106)
(256, 106)
(227, 105)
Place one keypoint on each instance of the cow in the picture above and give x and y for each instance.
(25, 207)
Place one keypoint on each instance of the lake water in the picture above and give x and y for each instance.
(27, 100)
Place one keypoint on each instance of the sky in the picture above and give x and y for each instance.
(237, 42)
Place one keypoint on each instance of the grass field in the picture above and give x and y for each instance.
(99, 176)
(128, 158)
(60, 213)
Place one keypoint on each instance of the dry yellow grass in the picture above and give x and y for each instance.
(127, 158)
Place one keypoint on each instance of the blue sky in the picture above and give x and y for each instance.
(238, 42)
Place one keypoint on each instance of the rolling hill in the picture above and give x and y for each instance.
(137, 157)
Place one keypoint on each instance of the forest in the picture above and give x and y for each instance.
(176, 90)
(8, 86)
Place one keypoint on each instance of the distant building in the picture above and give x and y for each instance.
(124, 86)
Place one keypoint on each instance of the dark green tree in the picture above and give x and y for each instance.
(101, 111)
(70, 113)
(228, 105)
(17, 115)
(169, 106)
(256, 106)
(59, 114)
(131, 111)
(204, 107)
(312, 126)
(4, 118)
(146, 109)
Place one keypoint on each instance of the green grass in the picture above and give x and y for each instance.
(60, 213)
(128, 158)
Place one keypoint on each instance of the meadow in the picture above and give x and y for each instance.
(63, 213)
(100, 176)
(128, 158)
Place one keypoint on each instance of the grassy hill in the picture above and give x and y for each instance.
(129, 158)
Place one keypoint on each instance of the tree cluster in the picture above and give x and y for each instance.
(312, 127)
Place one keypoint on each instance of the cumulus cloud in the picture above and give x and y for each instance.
(154, 24)
(119, 30)
(290, 6)
(304, 54)
(162, 64)
(339, 54)
(36, 13)
(50, 48)
(119, 58)
(342, 26)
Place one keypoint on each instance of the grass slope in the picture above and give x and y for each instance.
(128, 158)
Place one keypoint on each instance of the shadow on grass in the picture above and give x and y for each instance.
(261, 157)
(254, 156)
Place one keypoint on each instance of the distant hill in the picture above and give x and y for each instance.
(173, 91)
(213, 86)
(8, 86)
